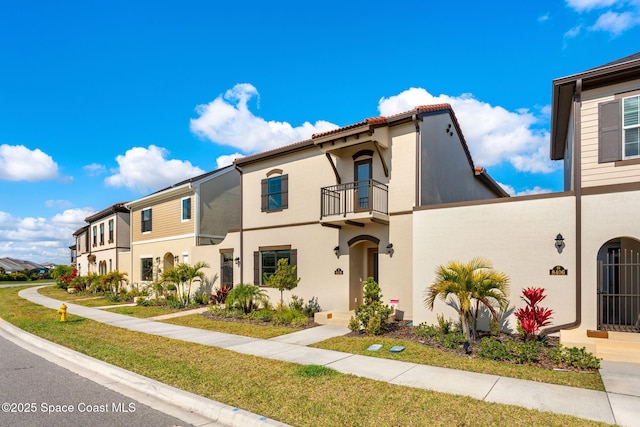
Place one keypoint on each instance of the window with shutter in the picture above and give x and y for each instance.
(266, 261)
(609, 144)
(275, 193)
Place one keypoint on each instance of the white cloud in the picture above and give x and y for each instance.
(41, 239)
(615, 23)
(587, 5)
(526, 192)
(94, 169)
(147, 169)
(223, 161)
(612, 16)
(18, 163)
(493, 134)
(227, 121)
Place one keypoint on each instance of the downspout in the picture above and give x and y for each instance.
(414, 118)
(242, 259)
(577, 186)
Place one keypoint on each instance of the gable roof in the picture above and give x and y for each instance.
(564, 89)
(118, 207)
(362, 126)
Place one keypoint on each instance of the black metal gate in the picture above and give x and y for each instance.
(619, 291)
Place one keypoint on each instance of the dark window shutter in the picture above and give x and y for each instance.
(142, 221)
(265, 195)
(609, 132)
(293, 259)
(285, 191)
(256, 268)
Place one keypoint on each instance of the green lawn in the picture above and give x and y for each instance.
(141, 311)
(236, 328)
(300, 396)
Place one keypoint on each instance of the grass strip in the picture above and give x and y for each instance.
(419, 353)
(237, 328)
(279, 390)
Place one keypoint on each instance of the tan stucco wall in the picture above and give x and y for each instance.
(517, 236)
(308, 172)
(594, 173)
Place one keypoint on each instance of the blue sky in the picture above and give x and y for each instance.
(104, 102)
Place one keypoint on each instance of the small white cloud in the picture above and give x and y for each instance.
(223, 161)
(147, 169)
(227, 120)
(587, 5)
(18, 163)
(543, 18)
(573, 32)
(493, 134)
(94, 169)
(526, 192)
(615, 23)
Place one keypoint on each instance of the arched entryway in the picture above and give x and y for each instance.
(168, 261)
(619, 285)
(363, 263)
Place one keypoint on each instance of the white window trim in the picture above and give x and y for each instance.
(625, 128)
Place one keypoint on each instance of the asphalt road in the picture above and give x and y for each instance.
(35, 392)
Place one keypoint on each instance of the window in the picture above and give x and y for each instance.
(95, 236)
(110, 231)
(186, 209)
(266, 261)
(619, 129)
(102, 233)
(275, 193)
(146, 220)
(146, 265)
(631, 126)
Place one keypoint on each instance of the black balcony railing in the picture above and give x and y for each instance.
(359, 196)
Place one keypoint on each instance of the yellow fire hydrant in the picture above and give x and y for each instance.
(62, 311)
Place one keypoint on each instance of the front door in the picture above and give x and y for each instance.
(362, 191)
(226, 269)
(372, 263)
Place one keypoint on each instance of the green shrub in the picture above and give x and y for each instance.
(492, 349)
(453, 340)
(312, 307)
(373, 315)
(296, 303)
(426, 331)
(247, 298)
(354, 324)
(261, 315)
(574, 357)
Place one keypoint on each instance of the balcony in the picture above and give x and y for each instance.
(355, 203)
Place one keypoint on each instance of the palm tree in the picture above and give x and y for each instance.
(247, 297)
(113, 280)
(467, 281)
(182, 276)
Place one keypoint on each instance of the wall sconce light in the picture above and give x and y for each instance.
(176, 258)
(237, 260)
(158, 260)
(390, 249)
(336, 251)
(559, 243)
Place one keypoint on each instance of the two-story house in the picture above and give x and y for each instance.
(101, 242)
(582, 245)
(339, 206)
(184, 223)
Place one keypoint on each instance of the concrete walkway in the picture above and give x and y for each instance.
(620, 404)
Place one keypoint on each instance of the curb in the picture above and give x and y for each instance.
(214, 412)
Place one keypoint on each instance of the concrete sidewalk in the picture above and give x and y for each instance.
(619, 404)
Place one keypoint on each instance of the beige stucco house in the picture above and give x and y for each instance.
(185, 223)
(583, 244)
(99, 244)
(340, 206)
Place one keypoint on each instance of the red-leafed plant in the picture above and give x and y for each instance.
(532, 317)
